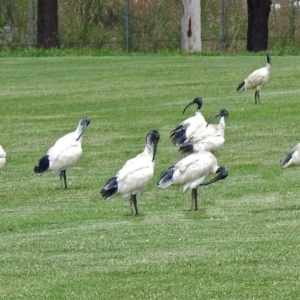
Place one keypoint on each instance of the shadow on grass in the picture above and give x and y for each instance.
(198, 214)
(286, 208)
(138, 217)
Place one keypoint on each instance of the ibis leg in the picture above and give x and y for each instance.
(65, 178)
(61, 179)
(257, 97)
(133, 205)
(194, 204)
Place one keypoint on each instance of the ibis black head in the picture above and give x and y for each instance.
(268, 58)
(198, 101)
(152, 138)
(222, 174)
(222, 113)
(85, 121)
(82, 125)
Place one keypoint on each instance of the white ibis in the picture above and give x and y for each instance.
(257, 79)
(292, 158)
(2, 158)
(134, 176)
(185, 130)
(192, 172)
(211, 138)
(64, 153)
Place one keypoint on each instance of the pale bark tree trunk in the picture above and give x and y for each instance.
(191, 26)
(294, 9)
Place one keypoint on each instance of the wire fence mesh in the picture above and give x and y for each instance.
(146, 25)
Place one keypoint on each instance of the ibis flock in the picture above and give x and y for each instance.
(191, 172)
(195, 138)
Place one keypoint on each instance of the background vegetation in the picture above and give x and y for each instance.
(243, 243)
(155, 25)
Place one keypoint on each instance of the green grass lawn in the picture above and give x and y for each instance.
(243, 243)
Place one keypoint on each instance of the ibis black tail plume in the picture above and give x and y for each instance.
(179, 136)
(110, 188)
(42, 166)
(166, 178)
(240, 87)
(284, 162)
(187, 147)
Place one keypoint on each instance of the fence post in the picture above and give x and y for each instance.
(31, 5)
(127, 25)
(222, 26)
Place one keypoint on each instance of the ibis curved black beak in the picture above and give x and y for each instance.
(222, 174)
(268, 58)
(154, 149)
(197, 100)
(222, 113)
(213, 117)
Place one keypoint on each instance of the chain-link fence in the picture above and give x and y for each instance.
(146, 25)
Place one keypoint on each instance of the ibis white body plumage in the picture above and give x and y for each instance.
(186, 129)
(211, 138)
(192, 172)
(257, 79)
(134, 176)
(64, 153)
(2, 158)
(292, 158)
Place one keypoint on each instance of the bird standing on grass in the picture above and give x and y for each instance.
(257, 79)
(185, 130)
(211, 138)
(64, 153)
(292, 158)
(134, 175)
(192, 172)
(2, 158)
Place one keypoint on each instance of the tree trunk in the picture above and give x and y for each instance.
(258, 32)
(190, 26)
(47, 24)
(292, 20)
